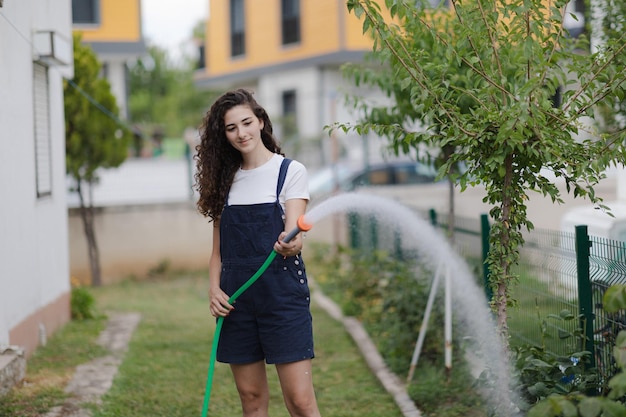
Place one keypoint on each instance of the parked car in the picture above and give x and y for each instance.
(323, 182)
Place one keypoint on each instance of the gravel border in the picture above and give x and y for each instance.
(390, 381)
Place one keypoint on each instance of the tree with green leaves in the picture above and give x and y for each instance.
(402, 111)
(480, 78)
(163, 97)
(95, 138)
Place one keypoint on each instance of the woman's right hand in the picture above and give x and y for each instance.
(218, 303)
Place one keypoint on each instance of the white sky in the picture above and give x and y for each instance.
(168, 23)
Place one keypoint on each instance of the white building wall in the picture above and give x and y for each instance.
(321, 102)
(116, 75)
(34, 267)
(305, 83)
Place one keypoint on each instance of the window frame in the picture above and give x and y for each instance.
(95, 12)
(41, 130)
(290, 22)
(237, 28)
(289, 103)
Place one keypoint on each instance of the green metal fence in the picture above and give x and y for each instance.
(607, 266)
(562, 277)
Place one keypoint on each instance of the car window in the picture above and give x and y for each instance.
(380, 176)
(414, 174)
(404, 175)
(395, 174)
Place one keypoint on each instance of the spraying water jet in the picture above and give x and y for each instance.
(478, 328)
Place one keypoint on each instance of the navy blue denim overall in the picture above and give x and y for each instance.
(272, 318)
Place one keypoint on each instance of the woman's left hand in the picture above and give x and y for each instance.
(287, 249)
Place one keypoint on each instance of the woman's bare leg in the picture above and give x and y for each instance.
(251, 381)
(296, 381)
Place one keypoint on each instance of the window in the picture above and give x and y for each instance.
(574, 19)
(237, 28)
(289, 102)
(43, 157)
(86, 12)
(290, 121)
(290, 20)
(104, 70)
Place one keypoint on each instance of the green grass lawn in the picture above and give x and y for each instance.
(164, 371)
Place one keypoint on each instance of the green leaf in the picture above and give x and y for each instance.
(619, 350)
(614, 298)
(590, 407)
(618, 385)
(545, 408)
(613, 409)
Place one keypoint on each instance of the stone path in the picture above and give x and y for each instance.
(93, 379)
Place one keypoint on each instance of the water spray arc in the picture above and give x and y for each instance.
(477, 326)
(301, 226)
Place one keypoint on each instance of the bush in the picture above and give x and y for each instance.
(82, 304)
(388, 296)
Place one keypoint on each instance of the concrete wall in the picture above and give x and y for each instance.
(136, 239)
(34, 265)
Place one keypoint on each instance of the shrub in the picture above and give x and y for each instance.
(388, 296)
(82, 304)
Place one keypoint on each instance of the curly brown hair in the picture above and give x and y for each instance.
(216, 160)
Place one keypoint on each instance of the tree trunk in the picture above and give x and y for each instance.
(87, 216)
(451, 224)
(505, 263)
(447, 153)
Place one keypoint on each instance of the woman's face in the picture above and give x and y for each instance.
(243, 129)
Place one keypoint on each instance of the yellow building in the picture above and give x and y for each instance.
(247, 38)
(113, 29)
(289, 52)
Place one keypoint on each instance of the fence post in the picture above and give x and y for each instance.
(585, 302)
(353, 221)
(433, 217)
(485, 229)
(373, 233)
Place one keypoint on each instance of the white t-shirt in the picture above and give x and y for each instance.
(258, 185)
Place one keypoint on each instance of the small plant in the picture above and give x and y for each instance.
(82, 302)
(577, 404)
(450, 394)
(160, 269)
(542, 373)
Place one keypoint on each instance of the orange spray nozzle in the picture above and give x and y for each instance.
(303, 225)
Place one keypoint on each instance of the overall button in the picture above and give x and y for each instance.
(301, 281)
(299, 272)
(284, 268)
(297, 262)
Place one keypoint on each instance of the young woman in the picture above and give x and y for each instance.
(254, 196)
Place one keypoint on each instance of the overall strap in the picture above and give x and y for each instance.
(282, 174)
